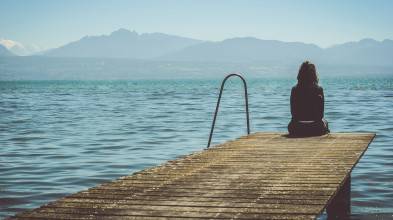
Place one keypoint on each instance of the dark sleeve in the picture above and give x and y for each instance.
(321, 103)
(292, 101)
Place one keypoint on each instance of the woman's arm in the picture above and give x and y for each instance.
(321, 104)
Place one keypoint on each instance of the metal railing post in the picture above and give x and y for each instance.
(218, 104)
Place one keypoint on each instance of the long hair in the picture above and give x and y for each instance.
(307, 74)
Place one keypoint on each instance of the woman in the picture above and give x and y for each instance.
(307, 104)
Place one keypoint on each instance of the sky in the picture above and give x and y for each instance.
(52, 23)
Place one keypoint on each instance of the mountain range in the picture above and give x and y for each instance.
(158, 46)
(366, 51)
(124, 44)
(162, 47)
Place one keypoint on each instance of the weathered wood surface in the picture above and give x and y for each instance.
(261, 176)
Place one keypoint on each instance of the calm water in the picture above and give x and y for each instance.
(60, 137)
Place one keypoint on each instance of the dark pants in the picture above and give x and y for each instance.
(308, 129)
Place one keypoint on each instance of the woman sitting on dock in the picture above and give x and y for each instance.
(307, 104)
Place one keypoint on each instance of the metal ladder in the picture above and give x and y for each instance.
(218, 104)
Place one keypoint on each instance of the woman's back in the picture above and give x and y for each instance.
(307, 103)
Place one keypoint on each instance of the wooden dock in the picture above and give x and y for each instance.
(259, 176)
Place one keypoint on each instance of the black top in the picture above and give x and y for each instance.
(307, 103)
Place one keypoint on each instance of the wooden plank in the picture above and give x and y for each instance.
(260, 176)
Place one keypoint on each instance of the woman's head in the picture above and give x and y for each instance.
(307, 74)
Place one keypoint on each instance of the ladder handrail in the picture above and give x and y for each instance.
(218, 104)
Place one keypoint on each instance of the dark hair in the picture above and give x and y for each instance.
(307, 74)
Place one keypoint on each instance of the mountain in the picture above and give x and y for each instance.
(4, 52)
(124, 44)
(24, 50)
(366, 51)
(246, 49)
(18, 48)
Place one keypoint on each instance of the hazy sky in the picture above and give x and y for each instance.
(53, 23)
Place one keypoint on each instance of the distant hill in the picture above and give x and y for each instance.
(4, 52)
(249, 49)
(364, 52)
(124, 44)
(246, 49)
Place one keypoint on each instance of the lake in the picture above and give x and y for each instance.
(61, 137)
